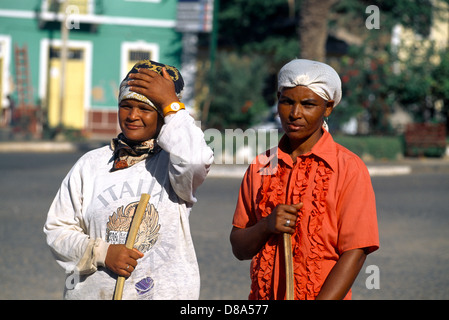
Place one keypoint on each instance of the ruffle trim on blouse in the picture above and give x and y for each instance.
(262, 266)
(307, 269)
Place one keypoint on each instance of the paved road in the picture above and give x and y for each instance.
(413, 219)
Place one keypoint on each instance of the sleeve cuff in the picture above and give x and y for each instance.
(100, 252)
(170, 116)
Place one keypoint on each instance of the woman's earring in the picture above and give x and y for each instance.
(325, 124)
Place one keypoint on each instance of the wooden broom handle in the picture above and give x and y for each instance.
(132, 233)
(289, 279)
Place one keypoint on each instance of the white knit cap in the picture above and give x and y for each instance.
(317, 76)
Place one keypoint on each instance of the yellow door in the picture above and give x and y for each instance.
(73, 112)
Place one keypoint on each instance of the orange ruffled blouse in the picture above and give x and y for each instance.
(339, 214)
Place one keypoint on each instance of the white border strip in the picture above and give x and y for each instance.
(237, 171)
(389, 170)
(21, 147)
(90, 18)
(22, 14)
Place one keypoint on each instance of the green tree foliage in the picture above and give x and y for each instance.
(236, 99)
(414, 14)
(440, 87)
(262, 27)
(376, 79)
(263, 34)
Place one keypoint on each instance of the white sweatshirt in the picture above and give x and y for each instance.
(93, 208)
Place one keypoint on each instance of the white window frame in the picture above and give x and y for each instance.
(90, 7)
(126, 47)
(151, 1)
(6, 54)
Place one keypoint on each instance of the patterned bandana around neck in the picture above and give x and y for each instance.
(127, 154)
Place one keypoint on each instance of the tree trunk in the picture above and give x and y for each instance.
(313, 28)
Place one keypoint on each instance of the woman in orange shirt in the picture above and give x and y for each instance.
(311, 187)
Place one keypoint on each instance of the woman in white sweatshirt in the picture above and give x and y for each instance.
(160, 151)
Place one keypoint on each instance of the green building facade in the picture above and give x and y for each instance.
(104, 38)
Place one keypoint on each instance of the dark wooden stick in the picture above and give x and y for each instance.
(290, 284)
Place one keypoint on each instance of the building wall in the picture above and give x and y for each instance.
(115, 27)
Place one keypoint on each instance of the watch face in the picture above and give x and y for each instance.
(175, 106)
